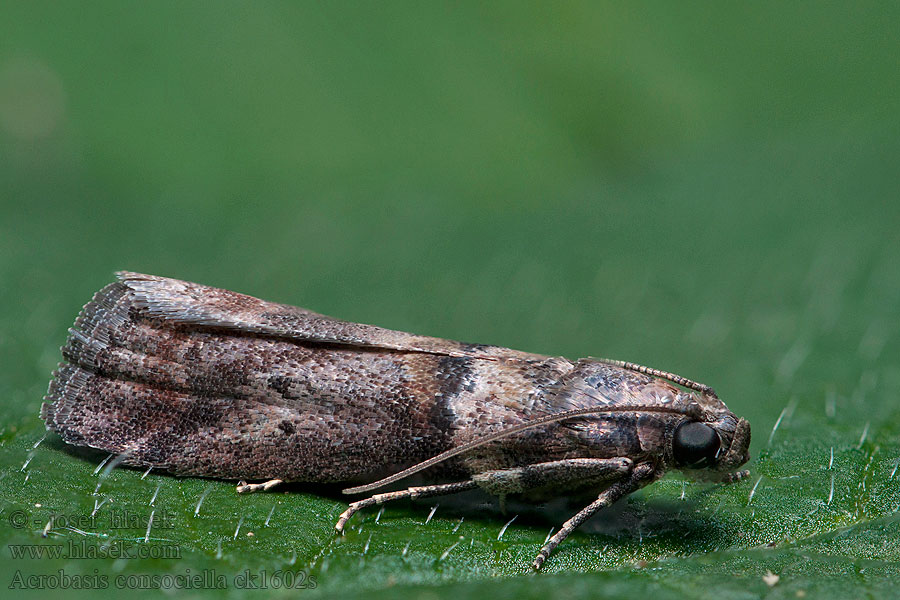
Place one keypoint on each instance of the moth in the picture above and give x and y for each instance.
(201, 381)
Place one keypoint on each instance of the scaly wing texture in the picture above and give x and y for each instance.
(202, 400)
(189, 303)
(209, 382)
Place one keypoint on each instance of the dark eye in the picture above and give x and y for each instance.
(695, 445)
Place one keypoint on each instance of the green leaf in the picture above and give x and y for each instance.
(707, 189)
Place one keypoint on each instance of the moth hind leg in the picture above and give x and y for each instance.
(562, 475)
(412, 492)
(248, 488)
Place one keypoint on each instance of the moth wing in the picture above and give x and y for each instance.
(192, 304)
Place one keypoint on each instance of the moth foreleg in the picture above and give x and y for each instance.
(640, 476)
(247, 488)
(562, 474)
(413, 492)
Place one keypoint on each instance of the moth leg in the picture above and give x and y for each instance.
(247, 488)
(413, 492)
(562, 474)
(640, 476)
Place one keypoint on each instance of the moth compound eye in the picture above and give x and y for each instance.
(695, 445)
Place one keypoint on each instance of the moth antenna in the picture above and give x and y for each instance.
(683, 381)
(578, 412)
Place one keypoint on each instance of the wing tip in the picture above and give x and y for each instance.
(64, 392)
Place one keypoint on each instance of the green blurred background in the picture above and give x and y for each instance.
(708, 189)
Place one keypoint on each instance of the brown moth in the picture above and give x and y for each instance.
(207, 382)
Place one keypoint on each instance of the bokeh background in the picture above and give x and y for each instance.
(710, 189)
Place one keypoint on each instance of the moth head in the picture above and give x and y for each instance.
(711, 446)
